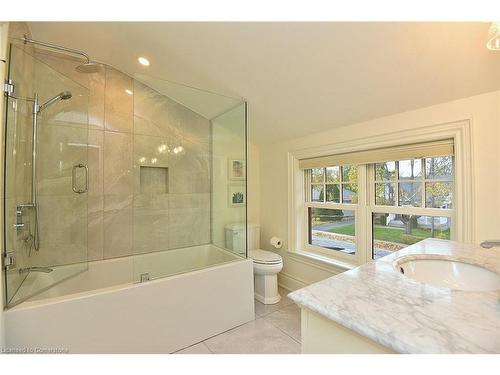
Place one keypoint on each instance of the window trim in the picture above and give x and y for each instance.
(308, 203)
(463, 215)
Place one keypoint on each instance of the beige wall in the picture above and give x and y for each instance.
(228, 137)
(483, 111)
(228, 142)
(253, 183)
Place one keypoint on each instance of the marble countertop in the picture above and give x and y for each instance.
(377, 301)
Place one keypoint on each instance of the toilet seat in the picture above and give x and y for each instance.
(264, 257)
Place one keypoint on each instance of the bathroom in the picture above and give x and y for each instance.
(204, 188)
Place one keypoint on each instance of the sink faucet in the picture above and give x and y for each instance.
(490, 244)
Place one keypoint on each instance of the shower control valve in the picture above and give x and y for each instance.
(19, 215)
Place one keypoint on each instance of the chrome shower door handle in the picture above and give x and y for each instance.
(73, 179)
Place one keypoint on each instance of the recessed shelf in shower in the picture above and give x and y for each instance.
(154, 180)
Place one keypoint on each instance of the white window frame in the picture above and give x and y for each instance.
(306, 246)
(405, 210)
(462, 213)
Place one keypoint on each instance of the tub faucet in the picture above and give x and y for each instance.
(36, 269)
(490, 244)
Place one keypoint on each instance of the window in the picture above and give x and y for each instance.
(334, 184)
(422, 189)
(392, 232)
(331, 209)
(332, 229)
(363, 211)
(415, 183)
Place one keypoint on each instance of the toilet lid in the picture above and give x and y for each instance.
(264, 257)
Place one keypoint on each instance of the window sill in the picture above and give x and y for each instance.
(306, 255)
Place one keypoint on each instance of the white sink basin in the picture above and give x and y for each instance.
(450, 274)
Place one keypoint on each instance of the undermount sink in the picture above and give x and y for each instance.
(450, 274)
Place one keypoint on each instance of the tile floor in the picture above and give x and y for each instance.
(275, 330)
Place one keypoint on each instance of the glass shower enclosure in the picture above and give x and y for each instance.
(42, 210)
(103, 166)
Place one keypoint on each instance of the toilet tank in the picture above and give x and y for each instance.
(235, 237)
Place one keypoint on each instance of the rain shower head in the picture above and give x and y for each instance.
(65, 95)
(89, 67)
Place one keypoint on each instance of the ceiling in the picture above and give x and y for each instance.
(205, 103)
(299, 78)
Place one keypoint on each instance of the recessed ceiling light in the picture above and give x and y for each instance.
(143, 61)
(128, 91)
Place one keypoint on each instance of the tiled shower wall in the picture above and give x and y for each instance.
(143, 196)
(163, 205)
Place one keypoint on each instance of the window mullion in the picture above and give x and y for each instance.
(341, 187)
(370, 202)
(362, 242)
(396, 200)
(324, 185)
(422, 173)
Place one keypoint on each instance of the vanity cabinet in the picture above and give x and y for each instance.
(324, 336)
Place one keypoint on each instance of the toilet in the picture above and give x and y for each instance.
(266, 264)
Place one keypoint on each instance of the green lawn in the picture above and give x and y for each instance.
(393, 234)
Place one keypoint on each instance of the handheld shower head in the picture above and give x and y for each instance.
(65, 95)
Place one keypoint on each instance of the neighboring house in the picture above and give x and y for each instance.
(441, 223)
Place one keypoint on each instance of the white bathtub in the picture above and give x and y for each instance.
(105, 310)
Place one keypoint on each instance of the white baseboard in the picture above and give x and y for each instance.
(289, 282)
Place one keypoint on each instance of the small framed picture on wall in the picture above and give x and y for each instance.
(235, 169)
(236, 195)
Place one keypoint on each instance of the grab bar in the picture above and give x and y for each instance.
(73, 179)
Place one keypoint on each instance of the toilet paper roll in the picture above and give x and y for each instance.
(276, 242)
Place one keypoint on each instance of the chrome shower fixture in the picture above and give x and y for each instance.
(37, 109)
(65, 95)
(87, 67)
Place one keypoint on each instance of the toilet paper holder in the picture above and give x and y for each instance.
(276, 242)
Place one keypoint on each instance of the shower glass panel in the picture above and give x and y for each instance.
(164, 164)
(46, 220)
(229, 200)
(190, 178)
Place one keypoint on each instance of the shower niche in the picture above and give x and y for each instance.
(153, 180)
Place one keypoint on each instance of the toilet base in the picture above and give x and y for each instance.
(267, 301)
(266, 289)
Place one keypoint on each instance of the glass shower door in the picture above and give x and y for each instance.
(45, 230)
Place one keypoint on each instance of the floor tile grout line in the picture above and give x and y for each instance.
(256, 317)
(208, 348)
(211, 337)
(265, 320)
(282, 308)
(228, 330)
(274, 325)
